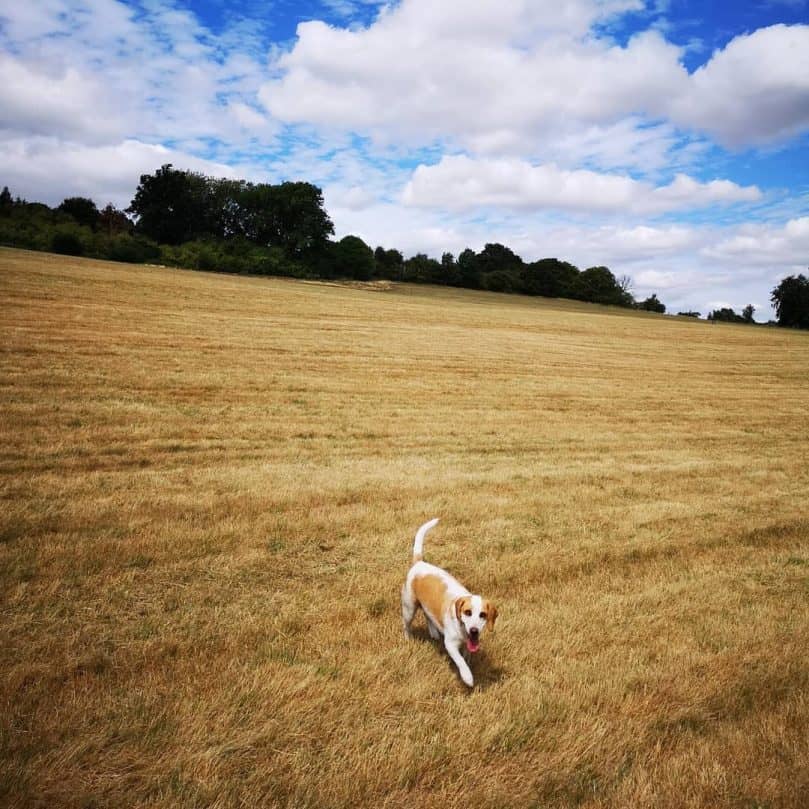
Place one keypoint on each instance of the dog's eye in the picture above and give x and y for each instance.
(467, 612)
(483, 615)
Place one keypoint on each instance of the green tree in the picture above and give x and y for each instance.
(82, 209)
(725, 315)
(290, 216)
(599, 285)
(791, 301)
(6, 202)
(353, 259)
(112, 221)
(497, 257)
(422, 269)
(747, 313)
(389, 263)
(550, 278)
(170, 205)
(652, 304)
(225, 212)
(450, 274)
(468, 272)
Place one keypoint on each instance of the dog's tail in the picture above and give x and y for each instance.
(418, 545)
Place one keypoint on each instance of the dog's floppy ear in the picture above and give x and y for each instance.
(459, 605)
(491, 612)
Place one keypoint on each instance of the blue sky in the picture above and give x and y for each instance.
(666, 139)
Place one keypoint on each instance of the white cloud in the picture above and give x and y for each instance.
(461, 183)
(627, 144)
(53, 100)
(642, 242)
(765, 245)
(48, 170)
(493, 77)
(23, 22)
(657, 280)
(685, 192)
(754, 91)
(91, 71)
(355, 198)
(514, 77)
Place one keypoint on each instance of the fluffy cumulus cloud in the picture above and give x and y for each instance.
(491, 78)
(497, 77)
(459, 182)
(42, 100)
(755, 90)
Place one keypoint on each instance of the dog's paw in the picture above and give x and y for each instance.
(468, 679)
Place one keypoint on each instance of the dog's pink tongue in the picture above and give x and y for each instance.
(472, 645)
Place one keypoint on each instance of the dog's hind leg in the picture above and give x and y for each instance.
(435, 632)
(409, 607)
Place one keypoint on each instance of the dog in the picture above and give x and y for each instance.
(452, 612)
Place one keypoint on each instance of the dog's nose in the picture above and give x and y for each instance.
(474, 631)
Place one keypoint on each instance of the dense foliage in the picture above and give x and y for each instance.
(184, 218)
(791, 301)
(727, 315)
(174, 207)
(652, 304)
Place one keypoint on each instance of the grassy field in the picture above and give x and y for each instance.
(210, 487)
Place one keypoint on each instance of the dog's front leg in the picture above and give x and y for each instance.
(463, 668)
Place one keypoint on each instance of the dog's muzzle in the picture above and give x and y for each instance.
(473, 641)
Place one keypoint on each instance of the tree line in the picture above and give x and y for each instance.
(187, 219)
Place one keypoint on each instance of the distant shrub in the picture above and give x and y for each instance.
(67, 242)
(273, 261)
(33, 226)
(237, 256)
(421, 269)
(131, 250)
(207, 259)
(725, 315)
(652, 304)
(501, 281)
(191, 255)
(353, 258)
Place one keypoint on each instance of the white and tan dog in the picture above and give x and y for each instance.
(451, 610)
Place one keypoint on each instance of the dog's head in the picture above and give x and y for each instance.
(474, 613)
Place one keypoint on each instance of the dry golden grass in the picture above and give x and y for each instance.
(210, 487)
